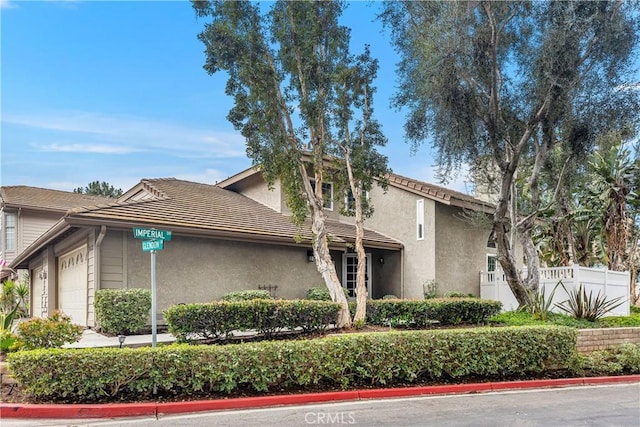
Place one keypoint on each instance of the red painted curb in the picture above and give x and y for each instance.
(613, 379)
(419, 391)
(108, 410)
(254, 402)
(113, 410)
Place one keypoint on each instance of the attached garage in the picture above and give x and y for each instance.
(72, 285)
(36, 293)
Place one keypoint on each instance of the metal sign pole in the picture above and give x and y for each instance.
(154, 325)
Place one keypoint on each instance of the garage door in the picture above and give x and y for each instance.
(36, 292)
(72, 285)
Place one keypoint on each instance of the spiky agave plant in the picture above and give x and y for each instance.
(583, 306)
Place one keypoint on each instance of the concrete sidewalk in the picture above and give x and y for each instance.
(91, 338)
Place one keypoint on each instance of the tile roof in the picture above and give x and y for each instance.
(196, 208)
(438, 193)
(22, 196)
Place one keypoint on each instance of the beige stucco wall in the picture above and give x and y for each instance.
(199, 270)
(395, 216)
(461, 251)
(255, 188)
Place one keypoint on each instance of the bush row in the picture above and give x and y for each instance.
(423, 313)
(267, 317)
(107, 374)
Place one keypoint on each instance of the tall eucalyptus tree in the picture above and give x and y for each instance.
(510, 81)
(286, 71)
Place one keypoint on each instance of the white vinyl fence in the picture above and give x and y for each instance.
(612, 284)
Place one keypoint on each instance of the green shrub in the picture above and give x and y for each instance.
(522, 318)
(459, 295)
(632, 320)
(634, 309)
(624, 359)
(540, 305)
(267, 317)
(423, 313)
(50, 332)
(247, 295)
(7, 341)
(339, 361)
(430, 289)
(122, 311)
(321, 293)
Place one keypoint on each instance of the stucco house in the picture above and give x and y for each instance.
(238, 235)
(26, 213)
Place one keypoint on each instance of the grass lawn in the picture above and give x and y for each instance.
(521, 318)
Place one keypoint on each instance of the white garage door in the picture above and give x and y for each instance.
(36, 292)
(72, 285)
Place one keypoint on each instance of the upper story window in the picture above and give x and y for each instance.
(327, 193)
(9, 232)
(420, 219)
(491, 241)
(350, 201)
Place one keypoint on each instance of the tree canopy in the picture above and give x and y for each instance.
(503, 84)
(295, 86)
(98, 188)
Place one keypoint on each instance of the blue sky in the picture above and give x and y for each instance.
(115, 91)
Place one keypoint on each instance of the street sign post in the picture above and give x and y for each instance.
(152, 245)
(153, 241)
(151, 234)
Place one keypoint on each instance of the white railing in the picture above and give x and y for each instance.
(612, 284)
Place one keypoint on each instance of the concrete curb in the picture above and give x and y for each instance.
(115, 410)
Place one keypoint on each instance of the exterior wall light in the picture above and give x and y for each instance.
(381, 260)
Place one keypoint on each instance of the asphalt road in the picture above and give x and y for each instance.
(607, 405)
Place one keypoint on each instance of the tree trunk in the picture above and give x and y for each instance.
(501, 228)
(361, 280)
(326, 267)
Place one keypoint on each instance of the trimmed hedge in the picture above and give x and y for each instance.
(108, 374)
(321, 293)
(247, 295)
(122, 311)
(267, 317)
(422, 313)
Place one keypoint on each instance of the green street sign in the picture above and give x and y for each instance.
(152, 245)
(151, 234)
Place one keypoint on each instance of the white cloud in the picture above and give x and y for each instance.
(94, 132)
(85, 148)
(5, 4)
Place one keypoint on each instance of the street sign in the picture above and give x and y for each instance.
(152, 245)
(151, 234)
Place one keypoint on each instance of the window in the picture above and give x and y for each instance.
(420, 219)
(492, 263)
(350, 201)
(10, 231)
(491, 241)
(327, 193)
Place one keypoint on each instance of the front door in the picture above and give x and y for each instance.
(349, 271)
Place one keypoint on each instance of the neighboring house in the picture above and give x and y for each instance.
(238, 235)
(27, 212)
